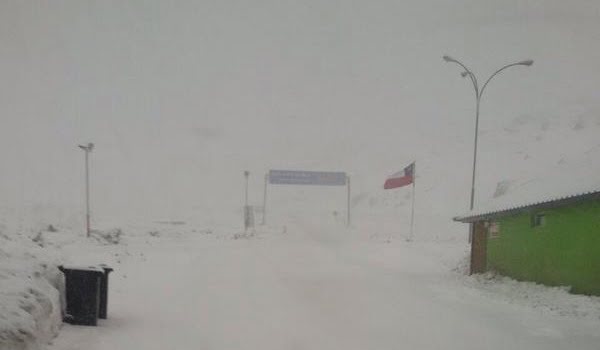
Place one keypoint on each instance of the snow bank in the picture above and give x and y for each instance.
(554, 301)
(30, 307)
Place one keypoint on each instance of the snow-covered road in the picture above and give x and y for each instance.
(309, 289)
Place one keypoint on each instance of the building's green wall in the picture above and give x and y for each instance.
(564, 251)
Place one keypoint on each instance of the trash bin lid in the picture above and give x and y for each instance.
(81, 268)
(106, 268)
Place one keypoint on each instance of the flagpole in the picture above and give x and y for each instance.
(412, 215)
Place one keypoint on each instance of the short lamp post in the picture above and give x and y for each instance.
(87, 149)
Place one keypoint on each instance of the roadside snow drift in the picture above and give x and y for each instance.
(30, 308)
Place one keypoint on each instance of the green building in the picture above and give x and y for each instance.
(553, 239)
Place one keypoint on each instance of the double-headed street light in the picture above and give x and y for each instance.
(478, 93)
(87, 149)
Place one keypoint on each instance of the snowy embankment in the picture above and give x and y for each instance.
(30, 308)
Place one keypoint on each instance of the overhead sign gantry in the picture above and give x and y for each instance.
(310, 178)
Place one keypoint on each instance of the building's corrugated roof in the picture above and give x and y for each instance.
(537, 192)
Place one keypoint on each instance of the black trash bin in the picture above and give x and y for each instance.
(82, 286)
(104, 292)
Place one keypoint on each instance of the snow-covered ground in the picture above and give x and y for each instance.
(304, 286)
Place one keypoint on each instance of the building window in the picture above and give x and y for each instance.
(538, 220)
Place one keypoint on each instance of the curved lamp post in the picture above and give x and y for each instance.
(478, 93)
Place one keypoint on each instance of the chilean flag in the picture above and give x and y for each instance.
(401, 178)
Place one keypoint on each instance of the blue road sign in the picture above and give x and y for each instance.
(318, 178)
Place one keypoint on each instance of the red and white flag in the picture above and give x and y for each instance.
(402, 178)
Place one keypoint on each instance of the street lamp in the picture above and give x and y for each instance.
(87, 149)
(478, 93)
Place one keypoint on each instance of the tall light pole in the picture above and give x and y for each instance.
(478, 94)
(87, 149)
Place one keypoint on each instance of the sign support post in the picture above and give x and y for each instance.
(264, 217)
(348, 208)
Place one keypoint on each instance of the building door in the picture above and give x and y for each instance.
(479, 248)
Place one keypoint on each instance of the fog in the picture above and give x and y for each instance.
(181, 98)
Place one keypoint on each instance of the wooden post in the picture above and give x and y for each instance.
(479, 248)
